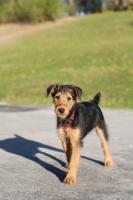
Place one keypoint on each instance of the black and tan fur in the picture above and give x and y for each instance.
(87, 115)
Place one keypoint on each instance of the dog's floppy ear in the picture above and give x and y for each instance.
(77, 91)
(51, 90)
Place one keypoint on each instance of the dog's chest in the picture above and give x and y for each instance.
(63, 133)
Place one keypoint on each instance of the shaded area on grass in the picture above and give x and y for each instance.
(19, 108)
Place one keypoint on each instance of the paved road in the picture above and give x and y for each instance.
(32, 160)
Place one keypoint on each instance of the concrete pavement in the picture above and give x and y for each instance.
(32, 160)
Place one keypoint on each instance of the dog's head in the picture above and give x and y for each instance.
(64, 97)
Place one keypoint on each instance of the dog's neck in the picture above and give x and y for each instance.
(69, 120)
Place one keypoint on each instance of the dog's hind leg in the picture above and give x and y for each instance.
(103, 135)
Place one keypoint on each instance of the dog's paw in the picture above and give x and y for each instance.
(69, 179)
(108, 163)
(67, 165)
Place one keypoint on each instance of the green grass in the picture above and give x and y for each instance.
(94, 52)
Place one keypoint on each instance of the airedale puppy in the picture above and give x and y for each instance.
(74, 122)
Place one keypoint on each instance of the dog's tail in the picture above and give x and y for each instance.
(96, 98)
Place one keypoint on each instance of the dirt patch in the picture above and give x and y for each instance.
(10, 32)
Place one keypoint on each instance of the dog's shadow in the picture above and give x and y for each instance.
(29, 148)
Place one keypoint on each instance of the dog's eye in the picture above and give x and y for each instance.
(68, 98)
(57, 97)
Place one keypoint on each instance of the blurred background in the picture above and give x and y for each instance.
(88, 43)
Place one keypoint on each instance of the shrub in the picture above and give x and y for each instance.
(70, 9)
(29, 10)
(52, 10)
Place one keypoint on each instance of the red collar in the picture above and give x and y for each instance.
(70, 121)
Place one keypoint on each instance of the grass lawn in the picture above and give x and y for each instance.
(94, 52)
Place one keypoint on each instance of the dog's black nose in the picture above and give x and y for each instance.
(61, 110)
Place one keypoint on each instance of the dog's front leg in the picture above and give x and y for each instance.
(68, 150)
(75, 155)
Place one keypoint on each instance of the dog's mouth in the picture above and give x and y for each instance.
(62, 115)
